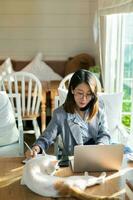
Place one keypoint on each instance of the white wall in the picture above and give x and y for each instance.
(58, 28)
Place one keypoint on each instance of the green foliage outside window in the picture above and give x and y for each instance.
(126, 120)
(126, 107)
(94, 69)
(127, 92)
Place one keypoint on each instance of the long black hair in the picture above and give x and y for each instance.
(82, 76)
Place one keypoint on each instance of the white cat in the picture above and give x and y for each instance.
(38, 176)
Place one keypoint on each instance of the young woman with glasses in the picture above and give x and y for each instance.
(80, 120)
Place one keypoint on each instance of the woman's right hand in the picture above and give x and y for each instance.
(33, 152)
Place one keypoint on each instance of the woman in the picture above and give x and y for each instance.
(80, 120)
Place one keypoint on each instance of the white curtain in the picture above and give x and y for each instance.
(111, 41)
(112, 54)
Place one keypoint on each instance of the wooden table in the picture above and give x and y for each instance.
(11, 171)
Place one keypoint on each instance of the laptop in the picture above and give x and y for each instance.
(95, 158)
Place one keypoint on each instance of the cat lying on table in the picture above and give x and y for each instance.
(39, 175)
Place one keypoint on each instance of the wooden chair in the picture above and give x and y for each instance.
(62, 90)
(12, 108)
(30, 89)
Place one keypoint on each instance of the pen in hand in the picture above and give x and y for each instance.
(32, 152)
(27, 146)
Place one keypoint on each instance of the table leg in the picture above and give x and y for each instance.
(43, 112)
(53, 94)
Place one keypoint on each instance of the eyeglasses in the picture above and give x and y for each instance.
(81, 95)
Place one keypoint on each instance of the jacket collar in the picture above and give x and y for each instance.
(73, 123)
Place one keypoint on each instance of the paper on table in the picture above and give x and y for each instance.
(27, 159)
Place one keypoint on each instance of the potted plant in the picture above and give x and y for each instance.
(96, 70)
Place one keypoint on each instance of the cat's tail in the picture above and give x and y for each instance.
(66, 190)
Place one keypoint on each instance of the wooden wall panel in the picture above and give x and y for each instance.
(44, 6)
(58, 28)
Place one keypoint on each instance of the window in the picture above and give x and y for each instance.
(119, 62)
(127, 115)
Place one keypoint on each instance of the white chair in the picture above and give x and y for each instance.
(30, 89)
(63, 88)
(113, 108)
(11, 127)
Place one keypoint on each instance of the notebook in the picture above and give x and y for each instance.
(97, 158)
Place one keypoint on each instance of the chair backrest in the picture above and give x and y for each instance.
(63, 88)
(65, 82)
(29, 88)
